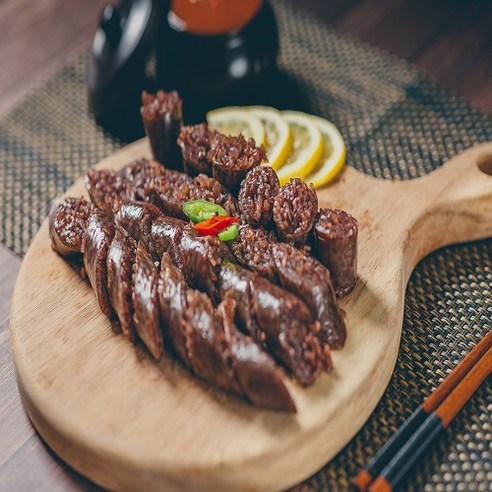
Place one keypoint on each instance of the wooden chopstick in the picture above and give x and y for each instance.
(405, 433)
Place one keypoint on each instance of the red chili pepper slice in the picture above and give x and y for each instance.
(215, 225)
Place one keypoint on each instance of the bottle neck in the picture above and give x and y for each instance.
(212, 17)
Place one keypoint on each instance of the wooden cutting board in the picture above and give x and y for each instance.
(127, 422)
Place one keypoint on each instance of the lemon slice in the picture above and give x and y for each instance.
(307, 146)
(278, 137)
(333, 156)
(233, 120)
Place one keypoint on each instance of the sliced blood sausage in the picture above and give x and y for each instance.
(194, 142)
(162, 116)
(260, 379)
(107, 189)
(137, 219)
(172, 302)
(294, 211)
(98, 237)
(232, 158)
(290, 330)
(252, 248)
(276, 318)
(308, 279)
(169, 192)
(235, 284)
(256, 195)
(120, 260)
(335, 245)
(200, 258)
(297, 272)
(145, 301)
(207, 346)
(165, 236)
(67, 224)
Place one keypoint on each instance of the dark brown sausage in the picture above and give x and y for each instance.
(67, 224)
(256, 195)
(208, 349)
(145, 301)
(137, 219)
(260, 379)
(291, 333)
(235, 284)
(194, 142)
(165, 236)
(162, 116)
(294, 211)
(277, 319)
(310, 280)
(252, 248)
(108, 189)
(120, 260)
(200, 258)
(98, 237)
(172, 303)
(335, 245)
(232, 158)
(296, 271)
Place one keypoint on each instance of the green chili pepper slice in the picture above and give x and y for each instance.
(200, 210)
(229, 234)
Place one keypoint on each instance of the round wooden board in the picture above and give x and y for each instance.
(130, 423)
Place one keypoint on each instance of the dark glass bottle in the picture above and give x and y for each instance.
(217, 52)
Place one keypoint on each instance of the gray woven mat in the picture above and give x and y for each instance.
(397, 125)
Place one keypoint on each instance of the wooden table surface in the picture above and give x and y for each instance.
(450, 40)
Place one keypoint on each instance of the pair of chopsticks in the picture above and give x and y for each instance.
(408, 444)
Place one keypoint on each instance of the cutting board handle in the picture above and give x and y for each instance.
(451, 205)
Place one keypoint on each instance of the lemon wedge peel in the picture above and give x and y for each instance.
(233, 120)
(307, 147)
(330, 165)
(278, 136)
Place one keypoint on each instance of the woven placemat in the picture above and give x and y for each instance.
(397, 125)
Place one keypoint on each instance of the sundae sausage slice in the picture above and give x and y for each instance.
(162, 116)
(107, 189)
(208, 349)
(297, 272)
(165, 236)
(277, 319)
(335, 245)
(252, 248)
(195, 144)
(98, 237)
(307, 278)
(172, 302)
(256, 196)
(232, 158)
(235, 284)
(120, 260)
(260, 379)
(200, 258)
(67, 224)
(291, 333)
(137, 219)
(145, 301)
(294, 211)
